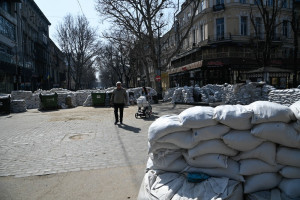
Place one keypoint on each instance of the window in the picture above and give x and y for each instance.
(243, 25)
(258, 27)
(285, 28)
(258, 2)
(194, 36)
(7, 29)
(201, 33)
(284, 4)
(220, 28)
(6, 6)
(243, 1)
(270, 2)
(219, 2)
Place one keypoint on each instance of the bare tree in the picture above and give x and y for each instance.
(78, 40)
(295, 24)
(144, 19)
(268, 12)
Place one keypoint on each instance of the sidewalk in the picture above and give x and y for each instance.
(74, 153)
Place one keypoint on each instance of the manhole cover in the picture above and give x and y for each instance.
(79, 136)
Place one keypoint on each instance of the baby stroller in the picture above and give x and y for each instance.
(144, 108)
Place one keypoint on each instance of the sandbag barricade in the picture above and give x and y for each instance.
(255, 147)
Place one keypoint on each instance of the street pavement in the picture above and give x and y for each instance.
(74, 153)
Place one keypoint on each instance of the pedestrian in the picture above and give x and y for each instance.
(119, 99)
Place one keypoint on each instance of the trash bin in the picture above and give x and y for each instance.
(5, 104)
(48, 101)
(155, 99)
(98, 99)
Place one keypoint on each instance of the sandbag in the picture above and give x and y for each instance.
(157, 146)
(296, 126)
(265, 152)
(163, 126)
(182, 139)
(177, 166)
(197, 117)
(265, 111)
(295, 107)
(290, 172)
(232, 171)
(210, 132)
(211, 146)
(241, 140)
(206, 161)
(274, 194)
(278, 132)
(291, 187)
(288, 156)
(163, 159)
(265, 181)
(237, 117)
(254, 166)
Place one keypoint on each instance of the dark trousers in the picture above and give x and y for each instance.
(121, 108)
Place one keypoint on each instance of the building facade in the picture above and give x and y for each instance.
(222, 45)
(29, 60)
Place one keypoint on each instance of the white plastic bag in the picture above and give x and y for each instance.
(182, 139)
(210, 132)
(207, 161)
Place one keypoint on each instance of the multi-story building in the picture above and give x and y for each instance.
(10, 43)
(221, 45)
(28, 58)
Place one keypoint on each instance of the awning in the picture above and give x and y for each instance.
(269, 69)
(188, 67)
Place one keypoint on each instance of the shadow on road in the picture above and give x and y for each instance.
(129, 128)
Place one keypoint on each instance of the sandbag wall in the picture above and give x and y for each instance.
(257, 145)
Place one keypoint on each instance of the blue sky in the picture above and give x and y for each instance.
(55, 10)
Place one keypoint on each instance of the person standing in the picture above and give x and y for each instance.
(119, 99)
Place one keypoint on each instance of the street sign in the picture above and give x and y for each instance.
(157, 78)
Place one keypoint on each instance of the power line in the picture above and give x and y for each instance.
(80, 8)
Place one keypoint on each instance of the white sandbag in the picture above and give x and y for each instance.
(160, 186)
(163, 126)
(259, 182)
(291, 187)
(163, 159)
(211, 146)
(290, 172)
(295, 107)
(157, 146)
(265, 152)
(288, 156)
(241, 140)
(235, 116)
(278, 132)
(209, 189)
(254, 166)
(210, 132)
(182, 139)
(296, 126)
(197, 117)
(265, 111)
(274, 194)
(177, 166)
(207, 160)
(232, 171)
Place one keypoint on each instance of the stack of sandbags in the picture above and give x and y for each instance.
(18, 106)
(88, 102)
(188, 94)
(23, 95)
(81, 96)
(169, 94)
(285, 97)
(177, 95)
(257, 144)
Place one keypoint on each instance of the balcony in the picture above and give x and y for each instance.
(219, 7)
